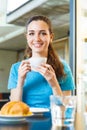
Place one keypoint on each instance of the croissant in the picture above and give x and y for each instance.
(15, 108)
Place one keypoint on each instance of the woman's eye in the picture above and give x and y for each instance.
(43, 33)
(31, 34)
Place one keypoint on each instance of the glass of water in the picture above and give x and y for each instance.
(63, 110)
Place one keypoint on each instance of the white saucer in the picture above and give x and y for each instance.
(39, 110)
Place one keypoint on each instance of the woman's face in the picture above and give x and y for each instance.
(38, 37)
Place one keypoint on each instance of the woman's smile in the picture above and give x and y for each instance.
(38, 45)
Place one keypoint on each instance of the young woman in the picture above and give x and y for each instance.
(53, 77)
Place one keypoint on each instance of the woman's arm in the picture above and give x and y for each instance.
(66, 93)
(57, 90)
(16, 93)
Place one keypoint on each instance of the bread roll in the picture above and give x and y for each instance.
(15, 108)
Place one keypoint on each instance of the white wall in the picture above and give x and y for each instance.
(6, 60)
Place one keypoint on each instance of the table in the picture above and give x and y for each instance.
(36, 122)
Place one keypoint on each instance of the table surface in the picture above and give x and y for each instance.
(36, 122)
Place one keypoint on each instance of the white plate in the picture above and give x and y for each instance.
(15, 116)
(39, 110)
(13, 119)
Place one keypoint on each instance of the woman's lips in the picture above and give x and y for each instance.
(38, 45)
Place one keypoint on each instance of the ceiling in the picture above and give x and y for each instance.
(12, 34)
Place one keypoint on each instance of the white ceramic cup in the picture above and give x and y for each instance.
(36, 61)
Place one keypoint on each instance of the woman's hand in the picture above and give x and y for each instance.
(48, 72)
(23, 69)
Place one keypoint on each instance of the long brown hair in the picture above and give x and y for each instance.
(53, 58)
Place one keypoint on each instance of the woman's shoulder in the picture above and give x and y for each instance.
(67, 83)
(16, 64)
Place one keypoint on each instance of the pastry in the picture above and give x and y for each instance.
(15, 108)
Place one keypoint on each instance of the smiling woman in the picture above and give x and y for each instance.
(34, 86)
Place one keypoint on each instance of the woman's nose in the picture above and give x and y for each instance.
(37, 37)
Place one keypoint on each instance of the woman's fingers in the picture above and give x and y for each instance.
(47, 71)
(24, 68)
(45, 68)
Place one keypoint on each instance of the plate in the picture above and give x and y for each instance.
(13, 119)
(15, 116)
(39, 110)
